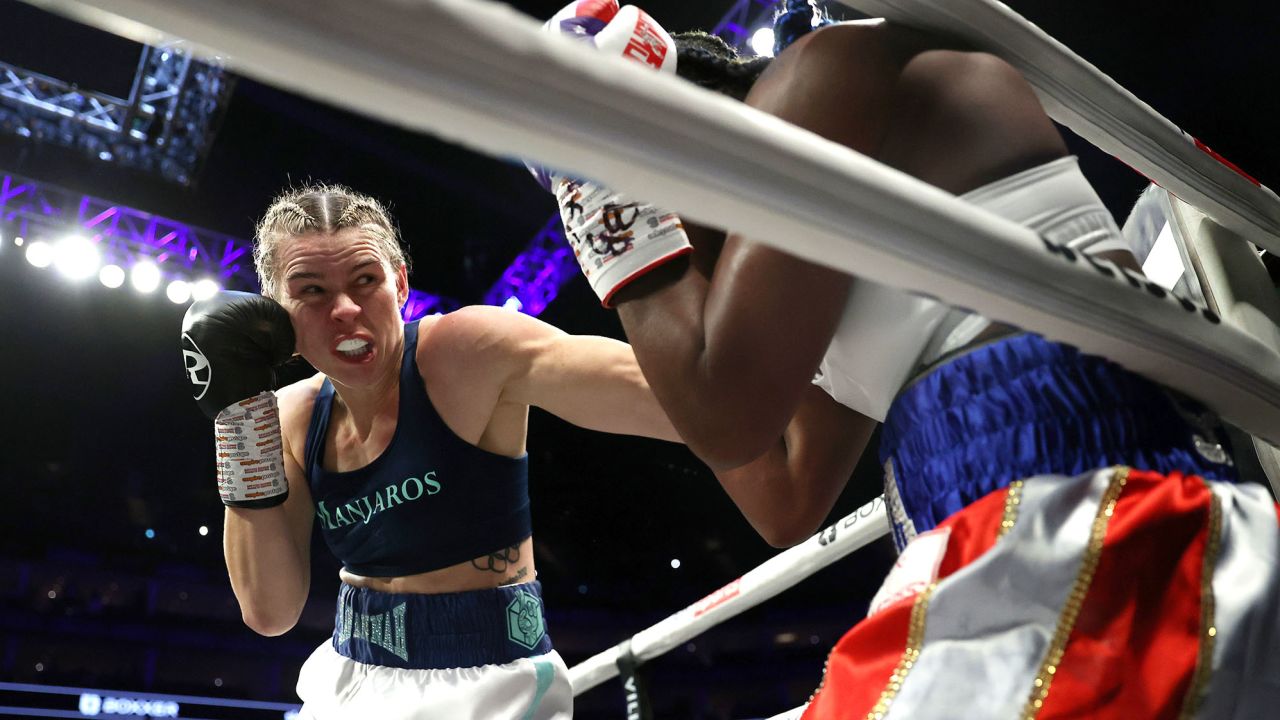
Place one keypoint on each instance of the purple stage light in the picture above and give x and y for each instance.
(537, 273)
(421, 304)
(125, 235)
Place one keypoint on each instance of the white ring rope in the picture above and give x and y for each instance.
(780, 572)
(459, 67)
(1097, 108)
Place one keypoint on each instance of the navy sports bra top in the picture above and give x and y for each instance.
(429, 501)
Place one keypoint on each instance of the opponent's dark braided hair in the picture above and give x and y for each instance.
(710, 62)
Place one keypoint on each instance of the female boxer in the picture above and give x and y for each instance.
(408, 449)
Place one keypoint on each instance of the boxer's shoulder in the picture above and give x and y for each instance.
(298, 397)
(475, 340)
(295, 402)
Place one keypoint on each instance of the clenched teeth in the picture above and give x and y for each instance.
(353, 346)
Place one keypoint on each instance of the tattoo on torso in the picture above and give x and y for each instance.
(517, 577)
(499, 561)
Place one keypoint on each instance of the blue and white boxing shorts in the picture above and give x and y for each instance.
(475, 655)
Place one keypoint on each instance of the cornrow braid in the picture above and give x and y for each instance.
(290, 214)
(358, 207)
(708, 61)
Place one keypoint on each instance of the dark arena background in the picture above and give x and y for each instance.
(114, 599)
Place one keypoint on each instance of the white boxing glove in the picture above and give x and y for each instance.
(614, 238)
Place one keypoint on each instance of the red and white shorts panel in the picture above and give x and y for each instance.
(1115, 594)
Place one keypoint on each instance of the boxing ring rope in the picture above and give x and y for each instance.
(1095, 107)
(457, 68)
(483, 75)
(780, 572)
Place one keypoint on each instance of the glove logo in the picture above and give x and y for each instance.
(646, 45)
(197, 365)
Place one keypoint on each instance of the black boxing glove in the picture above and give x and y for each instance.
(232, 344)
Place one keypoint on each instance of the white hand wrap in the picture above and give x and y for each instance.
(614, 238)
(250, 453)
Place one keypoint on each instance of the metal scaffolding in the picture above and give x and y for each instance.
(166, 125)
(33, 210)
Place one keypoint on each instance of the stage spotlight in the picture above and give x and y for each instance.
(111, 275)
(145, 276)
(204, 289)
(179, 291)
(76, 257)
(40, 254)
(762, 42)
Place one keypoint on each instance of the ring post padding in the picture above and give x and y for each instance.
(1078, 95)
(481, 74)
(858, 529)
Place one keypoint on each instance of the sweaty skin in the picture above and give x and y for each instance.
(730, 339)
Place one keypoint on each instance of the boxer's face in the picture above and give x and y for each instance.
(344, 299)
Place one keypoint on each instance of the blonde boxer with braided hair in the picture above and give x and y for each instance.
(408, 449)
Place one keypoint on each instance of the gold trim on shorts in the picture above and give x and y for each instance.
(1076, 598)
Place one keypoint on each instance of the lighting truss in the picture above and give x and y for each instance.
(33, 210)
(165, 125)
(538, 272)
(423, 303)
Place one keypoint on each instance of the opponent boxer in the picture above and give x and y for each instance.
(1041, 575)
(408, 448)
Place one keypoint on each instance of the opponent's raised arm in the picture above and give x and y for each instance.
(730, 356)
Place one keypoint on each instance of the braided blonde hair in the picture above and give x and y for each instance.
(324, 209)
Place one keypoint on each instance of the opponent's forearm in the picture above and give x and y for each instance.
(787, 492)
(270, 574)
(729, 391)
(662, 316)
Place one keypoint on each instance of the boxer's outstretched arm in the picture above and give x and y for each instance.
(268, 550)
(508, 358)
